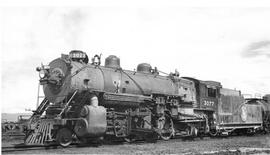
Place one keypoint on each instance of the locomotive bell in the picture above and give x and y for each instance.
(112, 62)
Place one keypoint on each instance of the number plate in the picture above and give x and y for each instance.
(208, 103)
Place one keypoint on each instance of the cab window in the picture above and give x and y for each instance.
(212, 92)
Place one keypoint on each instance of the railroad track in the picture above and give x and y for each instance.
(21, 147)
(15, 149)
(13, 136)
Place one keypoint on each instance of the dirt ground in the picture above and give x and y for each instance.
(230, 145)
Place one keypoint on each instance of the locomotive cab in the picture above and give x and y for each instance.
(207, 94)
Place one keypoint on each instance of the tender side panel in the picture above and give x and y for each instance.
(233, 111)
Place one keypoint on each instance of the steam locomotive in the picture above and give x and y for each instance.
(86, 101)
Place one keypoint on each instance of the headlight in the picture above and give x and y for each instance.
(42, 74)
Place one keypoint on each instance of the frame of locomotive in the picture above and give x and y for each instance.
(86, 102)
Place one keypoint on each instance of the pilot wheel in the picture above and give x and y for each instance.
(64, 137)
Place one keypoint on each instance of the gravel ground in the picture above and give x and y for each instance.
(229, 145)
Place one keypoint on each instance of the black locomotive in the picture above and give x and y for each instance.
(86, 101)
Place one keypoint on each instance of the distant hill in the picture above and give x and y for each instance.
(12, 117)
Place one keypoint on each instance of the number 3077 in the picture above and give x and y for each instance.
(208, 103)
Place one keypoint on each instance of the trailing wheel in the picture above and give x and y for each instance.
(64, 137)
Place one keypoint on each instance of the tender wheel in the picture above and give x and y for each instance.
(266, 126)
(165, 127)
(64, 137)
(251, 132)
(213, 132)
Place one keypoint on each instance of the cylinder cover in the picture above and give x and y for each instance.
(94, 124)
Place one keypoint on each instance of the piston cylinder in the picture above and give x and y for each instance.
(93, 124)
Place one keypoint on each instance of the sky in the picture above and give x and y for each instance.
(229, 44)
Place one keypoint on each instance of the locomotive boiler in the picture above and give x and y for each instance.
(85, 101)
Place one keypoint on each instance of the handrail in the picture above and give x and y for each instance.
(40, 108)
(67, 103)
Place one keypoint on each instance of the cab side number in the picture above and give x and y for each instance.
(208, 103)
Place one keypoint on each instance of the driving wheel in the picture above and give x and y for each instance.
(165, 127)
